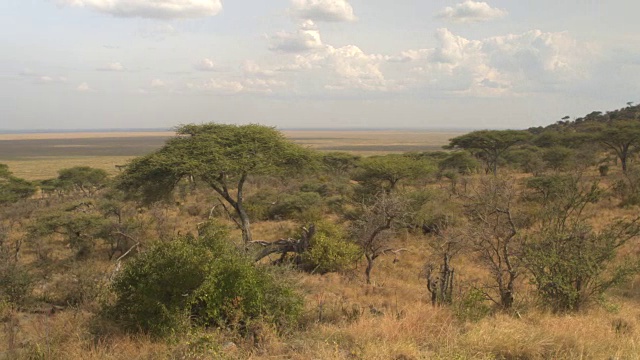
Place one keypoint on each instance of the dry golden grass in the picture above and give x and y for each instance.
(46, 168)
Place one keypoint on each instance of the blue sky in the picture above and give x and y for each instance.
(69, 64)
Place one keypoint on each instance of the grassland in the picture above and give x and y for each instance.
(40, 156)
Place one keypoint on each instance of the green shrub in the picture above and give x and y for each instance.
(203, 280)
(329, 251)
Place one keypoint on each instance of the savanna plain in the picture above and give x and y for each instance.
(244, 242)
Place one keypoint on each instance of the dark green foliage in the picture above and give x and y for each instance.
(489, 145)
(221, 156)
(339, 163)
(525, 158)
(461, 162)
(385, 172)
(559, 157)
(82, 178)
(13, 189)
(203, 280)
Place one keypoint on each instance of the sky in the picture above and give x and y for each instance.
(402, 64)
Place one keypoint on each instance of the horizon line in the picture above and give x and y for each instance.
(168, 129)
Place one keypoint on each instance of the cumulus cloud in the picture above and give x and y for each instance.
(206, 64)
(157, 83)
(46, 79)
(346, 67)
(513, 63)
(471, 11)
(231, 87)
(114, 66)
(83, 87)
(251, 68)
(323, 10)
(154, 9)
(306, 38)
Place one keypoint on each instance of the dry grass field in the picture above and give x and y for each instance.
(40, 156)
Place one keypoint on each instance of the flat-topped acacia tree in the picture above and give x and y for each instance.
(489, 145)
(220, 155)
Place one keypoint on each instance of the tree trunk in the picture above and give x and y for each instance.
(245, 225)
(367, 271)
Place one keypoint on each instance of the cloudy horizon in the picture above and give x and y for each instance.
(407, 64)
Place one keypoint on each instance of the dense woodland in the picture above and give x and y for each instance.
(234, 242)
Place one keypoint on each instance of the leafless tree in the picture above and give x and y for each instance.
(376, 225)
(438, 270)
(494, 234)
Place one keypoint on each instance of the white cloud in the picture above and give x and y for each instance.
(472, 11)
(206, 64)
(155, 9)
(231, 87)
(157, 83)
(46, 79)
(251, 68)
(323, 10)
(513, 63)
(306, 38)
(114, 66)
(83, 87)
(342, 68)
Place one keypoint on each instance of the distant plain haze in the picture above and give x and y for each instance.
(405, 64)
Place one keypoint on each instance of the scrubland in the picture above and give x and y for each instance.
(56, 279)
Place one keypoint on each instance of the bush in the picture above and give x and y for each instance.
(204, 280)
(15, 282)
(329, 251)
(259, 204)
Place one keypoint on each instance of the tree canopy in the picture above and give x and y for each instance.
(222, 156)
(13, 189)
(489, 145)
(384, 172)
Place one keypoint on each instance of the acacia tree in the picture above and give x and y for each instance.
(622, 137)
(385, 172)
(13, 189)
(222, 156)
(84, 178)
(489, 145)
